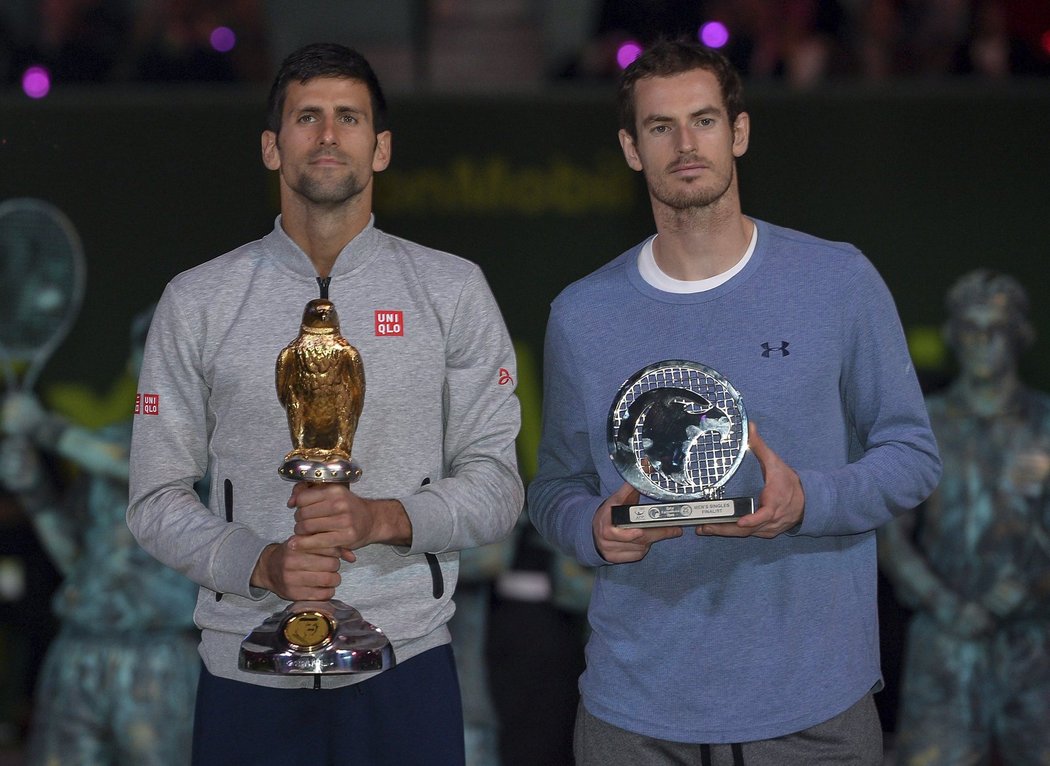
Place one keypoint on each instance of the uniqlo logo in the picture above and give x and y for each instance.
(147, 404)
(390, 323)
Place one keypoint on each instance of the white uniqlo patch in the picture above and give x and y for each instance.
(147, 404)
(390, 323)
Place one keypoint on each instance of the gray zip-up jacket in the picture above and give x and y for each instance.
(437, 431)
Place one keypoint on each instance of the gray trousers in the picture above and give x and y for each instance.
(853, 737)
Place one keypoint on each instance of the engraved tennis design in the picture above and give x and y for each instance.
(677, 430)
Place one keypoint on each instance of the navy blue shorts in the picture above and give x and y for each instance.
(410, 714)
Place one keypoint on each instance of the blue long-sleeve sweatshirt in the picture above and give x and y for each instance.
(711, 639)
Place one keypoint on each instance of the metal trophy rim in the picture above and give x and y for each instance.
(623, 456)
(332, 471)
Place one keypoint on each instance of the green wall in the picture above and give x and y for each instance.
(929, 180)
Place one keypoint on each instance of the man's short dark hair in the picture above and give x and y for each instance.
(666, 58)
(324, 60)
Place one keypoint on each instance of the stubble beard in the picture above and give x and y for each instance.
(692, 197)
(329, 193)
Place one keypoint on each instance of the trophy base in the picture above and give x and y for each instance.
(311, 637)
(689, 513)
(334, 471)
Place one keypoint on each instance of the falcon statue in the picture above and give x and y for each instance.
(321, 385)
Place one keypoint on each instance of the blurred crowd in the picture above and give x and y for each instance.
(803, 42)
(136, 40)
(800, 42)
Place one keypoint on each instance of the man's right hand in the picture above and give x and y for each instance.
(621, 545)
(297, 575)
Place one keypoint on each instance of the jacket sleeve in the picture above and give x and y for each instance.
(566, 491)
(894, 463)
(169, 454)
(480, 497)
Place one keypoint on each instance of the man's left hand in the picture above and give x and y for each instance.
(332, 516)
(780, 506)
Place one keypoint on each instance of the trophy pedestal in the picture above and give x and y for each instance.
(311, 637)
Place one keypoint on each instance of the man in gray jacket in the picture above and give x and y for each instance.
(435, 441)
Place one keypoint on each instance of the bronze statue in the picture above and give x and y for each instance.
(321, 385)
(119, 680)
(974, 560)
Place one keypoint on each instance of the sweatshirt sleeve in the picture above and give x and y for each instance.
(894, 463)
(479, 499)
(566, 491)
(169, 454)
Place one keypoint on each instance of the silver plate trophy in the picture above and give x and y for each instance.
(678, 432)
(321, 385)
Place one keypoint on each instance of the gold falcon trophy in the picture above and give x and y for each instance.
(321, 385)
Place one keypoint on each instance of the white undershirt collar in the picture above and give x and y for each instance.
(652, 274)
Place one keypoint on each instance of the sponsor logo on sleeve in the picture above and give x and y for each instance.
(147, 404)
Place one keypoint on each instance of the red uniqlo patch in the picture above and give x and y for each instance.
(147, 404)
(390, 323)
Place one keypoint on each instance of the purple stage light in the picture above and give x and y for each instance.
(627, 53)
(713, 34)
(36, 82)
(223, 39)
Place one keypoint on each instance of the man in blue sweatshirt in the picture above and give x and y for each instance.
(755, 640)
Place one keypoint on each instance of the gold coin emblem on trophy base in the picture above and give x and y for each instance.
(308, 631)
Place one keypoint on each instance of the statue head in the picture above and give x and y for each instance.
(320, 318)
(988, 326)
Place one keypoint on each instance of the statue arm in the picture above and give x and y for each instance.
(23, 416)
(22, 473)
(97, 456)
(918, 586)
(914, 582)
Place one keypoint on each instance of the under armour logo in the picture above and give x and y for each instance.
(782, 348)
